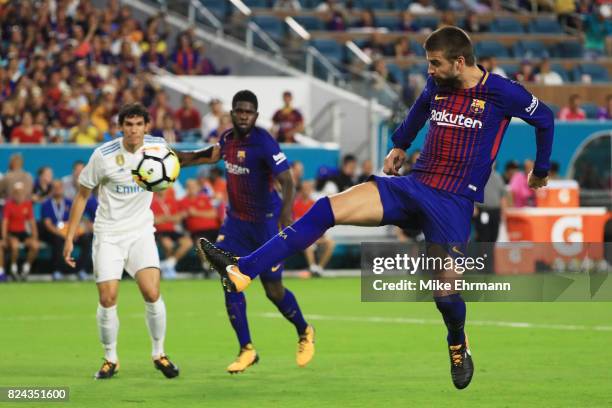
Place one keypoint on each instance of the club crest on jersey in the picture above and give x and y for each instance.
(241, 155)
(120, 160)
(478, 106)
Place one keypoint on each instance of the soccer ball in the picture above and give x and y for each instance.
(158, 168)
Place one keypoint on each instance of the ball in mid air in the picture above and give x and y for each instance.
(158, 168)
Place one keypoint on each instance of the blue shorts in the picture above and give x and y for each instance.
(444, 217)
(243, 237)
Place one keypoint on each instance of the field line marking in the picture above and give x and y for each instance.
(407, 320)
(357, 319)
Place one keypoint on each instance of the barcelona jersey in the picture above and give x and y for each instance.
(466, 128)
(252, 163)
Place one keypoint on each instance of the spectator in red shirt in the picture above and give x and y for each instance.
(188, 118)
(215, 184)
(287, 121)
(302, 203)
(168, 215)
(573, 110)
(19, 225)
(27, 132)
(202, 219)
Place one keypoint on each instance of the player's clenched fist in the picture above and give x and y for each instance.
(536, 182)
(394, 161)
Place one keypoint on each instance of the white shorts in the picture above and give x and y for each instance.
(114, 253)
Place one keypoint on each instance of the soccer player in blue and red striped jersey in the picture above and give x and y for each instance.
(255, 165)
(468, 110)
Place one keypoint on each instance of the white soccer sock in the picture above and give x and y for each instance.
(156, 322)
(171, 262)
(13, 269)
(108, 327)
(25, 268)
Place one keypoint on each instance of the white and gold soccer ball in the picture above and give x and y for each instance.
(158, 168)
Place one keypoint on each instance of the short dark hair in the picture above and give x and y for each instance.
(245, 96)
(132, 110)
(453, 42)
(348, 158)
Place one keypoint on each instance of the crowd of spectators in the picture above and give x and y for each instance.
(66, 68)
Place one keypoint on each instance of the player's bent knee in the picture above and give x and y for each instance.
(108, 299)
(151, 295)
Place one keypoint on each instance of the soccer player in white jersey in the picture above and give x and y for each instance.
(123, 236)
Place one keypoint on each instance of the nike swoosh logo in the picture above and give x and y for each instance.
(230, 270)
(437, 98)
(276, 268)
(456, 250)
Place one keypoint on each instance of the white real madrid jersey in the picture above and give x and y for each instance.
(123, 205)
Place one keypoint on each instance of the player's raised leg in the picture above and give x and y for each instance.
(155, 316)
(286, 303)
(108, 327)
(359, 205)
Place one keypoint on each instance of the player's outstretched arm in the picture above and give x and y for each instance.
(522, 104)
(76, 212)
(208, 155)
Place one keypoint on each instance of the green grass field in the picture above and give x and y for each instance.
(368, 354)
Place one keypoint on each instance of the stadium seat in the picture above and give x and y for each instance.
(218, 8)
(430, 22)
(311, 3)
(545, 25)
(391, 23)
(397, 72)
(417, 47)
(506, 25)
(491, 48)
(569, 49)
(590, 109)
(257, 3)
(310, 23)
(400, 4)
(559, 69)
(330, 49)
(510, 69)
(371, 4)
(529, 49)
(418, 68)
(597, 72)
(273, 26)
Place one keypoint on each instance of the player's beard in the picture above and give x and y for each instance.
(242, 131)
(452, 82)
